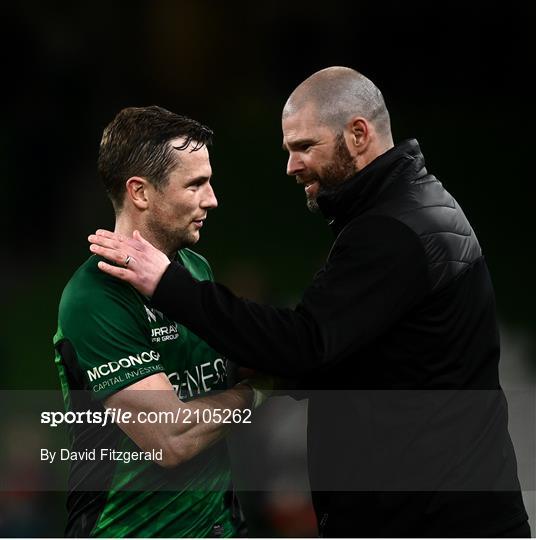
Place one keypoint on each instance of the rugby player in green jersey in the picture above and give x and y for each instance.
(113, 351)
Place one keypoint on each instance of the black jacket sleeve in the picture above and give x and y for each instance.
(375, 273)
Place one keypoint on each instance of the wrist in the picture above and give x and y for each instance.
(261, 389)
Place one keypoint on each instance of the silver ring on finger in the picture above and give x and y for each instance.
(127, 260)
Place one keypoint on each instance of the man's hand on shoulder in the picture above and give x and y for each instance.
(140, 263)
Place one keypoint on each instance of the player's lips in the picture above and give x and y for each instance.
(199, 222)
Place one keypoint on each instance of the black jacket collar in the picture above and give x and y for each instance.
(360, 192)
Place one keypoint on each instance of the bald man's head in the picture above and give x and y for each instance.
(339, 94)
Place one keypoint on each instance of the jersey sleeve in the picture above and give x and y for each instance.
(105, 322)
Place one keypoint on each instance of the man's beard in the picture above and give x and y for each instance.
(334, 174)
(167, 240)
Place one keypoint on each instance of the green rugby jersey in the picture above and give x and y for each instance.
(108, 338)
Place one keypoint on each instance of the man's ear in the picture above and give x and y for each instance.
(360, 133)
(137, 192)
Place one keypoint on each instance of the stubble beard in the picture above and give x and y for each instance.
(170, 241)
(341, 168)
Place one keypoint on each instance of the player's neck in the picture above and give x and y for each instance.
(126, 227)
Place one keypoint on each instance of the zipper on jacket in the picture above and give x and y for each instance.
(322, 524)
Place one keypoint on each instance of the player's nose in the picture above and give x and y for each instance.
(209, 198)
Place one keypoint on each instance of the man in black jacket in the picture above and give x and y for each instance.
(395, 342)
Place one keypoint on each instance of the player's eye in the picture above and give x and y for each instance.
(194, 186)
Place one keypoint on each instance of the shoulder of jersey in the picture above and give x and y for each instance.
(89, 283)
(190, 254)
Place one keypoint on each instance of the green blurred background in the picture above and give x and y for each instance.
(454, 75)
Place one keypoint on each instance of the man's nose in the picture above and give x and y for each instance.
(294, 165)
(209, 198)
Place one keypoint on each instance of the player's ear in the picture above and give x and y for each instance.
(137, 192)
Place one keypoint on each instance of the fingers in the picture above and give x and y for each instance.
(109, 234)
(114, 241)
(128, 275)
(104, 241)
(111, 254)
(117, 271)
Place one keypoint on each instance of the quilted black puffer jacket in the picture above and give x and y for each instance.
(395, 343)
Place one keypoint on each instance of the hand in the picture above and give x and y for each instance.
(263, 387)
(140, 263)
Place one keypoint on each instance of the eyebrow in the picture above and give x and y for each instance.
(298, 142)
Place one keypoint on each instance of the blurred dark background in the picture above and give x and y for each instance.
(455, 75)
